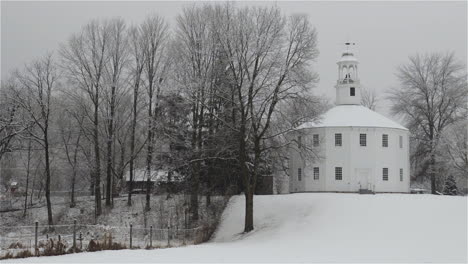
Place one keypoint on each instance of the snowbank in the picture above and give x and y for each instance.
(322, 228)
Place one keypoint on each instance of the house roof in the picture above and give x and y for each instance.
(352, 116)
(156, 175)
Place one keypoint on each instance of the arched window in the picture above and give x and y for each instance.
(344, 71)
(351, 72)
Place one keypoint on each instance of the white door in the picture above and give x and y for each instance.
(363, 177)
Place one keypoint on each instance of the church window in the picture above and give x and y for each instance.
(363, 140)
(352, 91)
(299, 142)
(316, 173)
(316, 140)
(401, 174)
(338, 173)
(338, 139)
(385, 140)
(385, 174)
(299, 174)
(401, 141)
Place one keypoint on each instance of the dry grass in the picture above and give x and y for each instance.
(105, 244)
(54, 248)
(22, 254)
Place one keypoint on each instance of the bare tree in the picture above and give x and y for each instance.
(369, 98)
(28, 172)
(197, 53)
(155, 35)
(139, 57)
(12, 123)
(85, 57)
(268, 59)
(455, 147)
(118, 58)
(431, 97)
(34, 94)
(71, 133)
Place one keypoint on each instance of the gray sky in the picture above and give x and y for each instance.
(386, 33)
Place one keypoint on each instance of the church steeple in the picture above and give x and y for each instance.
(348, 86)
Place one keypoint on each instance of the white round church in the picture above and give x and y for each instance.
(354, 148)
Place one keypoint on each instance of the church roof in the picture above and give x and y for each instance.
(348, 57)
(352, 116)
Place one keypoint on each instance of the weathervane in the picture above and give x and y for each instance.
(348, 44)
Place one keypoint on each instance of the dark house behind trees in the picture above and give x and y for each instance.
(161, 180)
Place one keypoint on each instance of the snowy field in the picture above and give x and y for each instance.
(321, 228)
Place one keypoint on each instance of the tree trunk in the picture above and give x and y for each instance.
(194, 193)
(433, 174)
(132, 137)
(248, 210)
(27, 179)
(75, 157)
(149, 156)
(194, 182)
(97, 169)
(248, 225)
(72, 196)
(47, 167)
(110, 136)
(132, 153)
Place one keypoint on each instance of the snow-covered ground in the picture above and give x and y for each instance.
(322, 227)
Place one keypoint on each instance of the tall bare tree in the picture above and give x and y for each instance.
(114, 75)
(155, 36)
(34, 94)
(431, 97)
(269, 57)
(138, 56)
(197, 53)
(85, 57)
(71, 134)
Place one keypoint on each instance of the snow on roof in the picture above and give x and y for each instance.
(347, 56)
(156, 175)
(352, 116)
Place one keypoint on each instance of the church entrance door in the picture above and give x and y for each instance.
(363, 177)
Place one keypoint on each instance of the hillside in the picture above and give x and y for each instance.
(323, 228)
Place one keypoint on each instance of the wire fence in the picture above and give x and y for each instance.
(37, 239)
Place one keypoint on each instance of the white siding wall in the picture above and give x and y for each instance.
(354, 159)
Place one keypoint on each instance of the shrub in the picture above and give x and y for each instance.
(15, 245)
(450, 187)
(106, 244)
(54, 248)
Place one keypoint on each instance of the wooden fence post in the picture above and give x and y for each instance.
(36, 249)
(74, 234)
(151, 236)
(131, 227)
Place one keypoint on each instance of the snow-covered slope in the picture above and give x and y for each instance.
(323, 227)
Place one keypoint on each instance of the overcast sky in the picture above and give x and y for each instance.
(386, 33)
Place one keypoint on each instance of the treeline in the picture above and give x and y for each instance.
(209, 98)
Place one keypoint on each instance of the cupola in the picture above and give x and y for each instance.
(348, 87)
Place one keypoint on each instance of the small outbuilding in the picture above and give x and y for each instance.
(159, 178)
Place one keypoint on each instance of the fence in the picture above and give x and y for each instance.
(37, 239)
